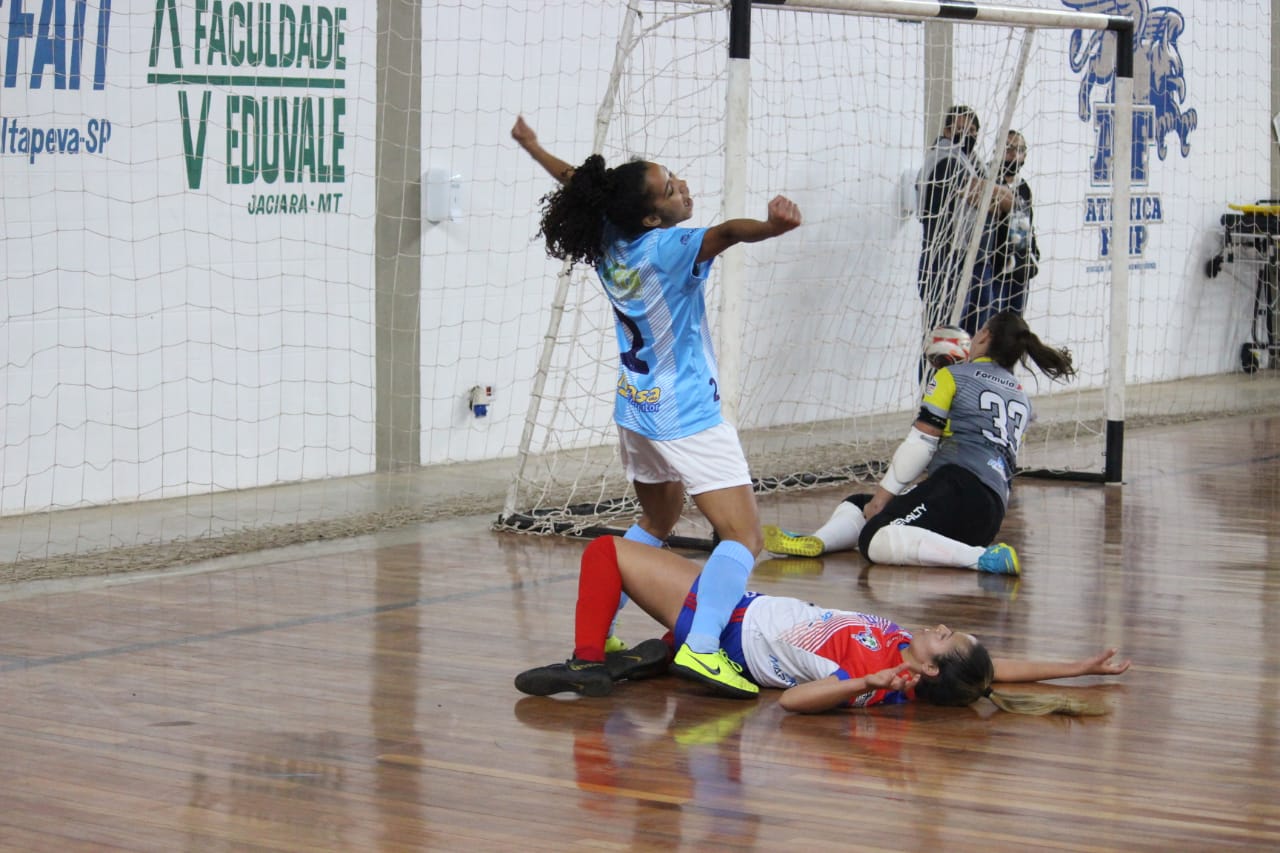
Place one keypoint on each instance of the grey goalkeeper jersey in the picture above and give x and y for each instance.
(986, 412)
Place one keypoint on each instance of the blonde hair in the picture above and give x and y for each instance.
(1040, 704)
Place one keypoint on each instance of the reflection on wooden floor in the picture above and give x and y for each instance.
(360, 698)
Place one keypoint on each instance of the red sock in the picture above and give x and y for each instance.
(599, 591)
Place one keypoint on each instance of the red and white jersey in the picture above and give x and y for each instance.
(786, 642)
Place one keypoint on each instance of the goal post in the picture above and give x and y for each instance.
(818, 333)
(1028, 20)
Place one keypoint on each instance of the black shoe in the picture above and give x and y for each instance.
(588, 678)
(647, 660)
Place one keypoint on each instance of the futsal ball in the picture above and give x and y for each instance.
(947, 345)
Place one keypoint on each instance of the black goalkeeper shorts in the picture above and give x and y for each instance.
(951, 501)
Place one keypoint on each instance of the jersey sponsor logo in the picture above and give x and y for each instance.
(1007, 382)
(1159, 90)
(782, 675)
(645, 399)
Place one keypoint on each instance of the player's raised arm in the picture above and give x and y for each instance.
(783, 214)
(522, 133)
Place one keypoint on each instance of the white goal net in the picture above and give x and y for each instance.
(256, 275)
(823, 330)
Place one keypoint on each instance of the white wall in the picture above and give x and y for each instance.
(487, 283)
(158, 338)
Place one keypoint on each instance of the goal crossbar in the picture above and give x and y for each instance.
(1008, 16)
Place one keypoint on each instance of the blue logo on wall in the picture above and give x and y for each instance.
(1159, 91)
(62, 46)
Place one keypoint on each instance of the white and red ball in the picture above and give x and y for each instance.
(947, 345)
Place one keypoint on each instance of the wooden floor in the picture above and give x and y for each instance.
(359, 697)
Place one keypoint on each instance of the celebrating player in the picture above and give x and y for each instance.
(966, 438)
(622, 221)
(822, 658)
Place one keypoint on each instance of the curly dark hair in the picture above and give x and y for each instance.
(573, 216)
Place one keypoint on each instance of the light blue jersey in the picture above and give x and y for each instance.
(668, 382)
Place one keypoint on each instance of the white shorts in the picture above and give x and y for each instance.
(703, 462)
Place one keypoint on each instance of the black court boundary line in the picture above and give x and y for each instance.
(249, 630)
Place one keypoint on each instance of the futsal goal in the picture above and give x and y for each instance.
(834, 104)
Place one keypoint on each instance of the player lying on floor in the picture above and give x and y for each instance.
(820, 657)
(966, 441)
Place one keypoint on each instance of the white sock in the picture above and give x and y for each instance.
(841, 531)
(901, 545)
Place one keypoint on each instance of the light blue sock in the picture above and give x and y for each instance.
(635, 533)
(723, 581)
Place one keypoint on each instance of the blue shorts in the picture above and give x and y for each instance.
(730, 637)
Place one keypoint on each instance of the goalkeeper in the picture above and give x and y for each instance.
(965, 440)
(672, 438)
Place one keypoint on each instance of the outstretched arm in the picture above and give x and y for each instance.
(1103, 663)
(783, 216)
(556, 168)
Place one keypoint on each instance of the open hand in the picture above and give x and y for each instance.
(1104, 663)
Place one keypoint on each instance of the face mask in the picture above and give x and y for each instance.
(1011, 169)
(966, 143)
